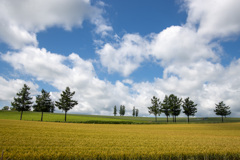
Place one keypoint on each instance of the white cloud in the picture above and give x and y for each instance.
(21, 20)
(188, 54)
(214, 18)
(175, 45)
(94, 95)
(13, 86)
(204, 82)
(126, 56)
(180, 45)
(128, 81)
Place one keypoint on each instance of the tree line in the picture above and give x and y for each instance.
(23, 102)
(122, 111)
(171, 105)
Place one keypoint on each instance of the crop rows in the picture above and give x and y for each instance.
(47, 140)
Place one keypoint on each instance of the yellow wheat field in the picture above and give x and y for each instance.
(46, 140)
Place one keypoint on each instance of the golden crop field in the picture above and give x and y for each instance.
(49, 140)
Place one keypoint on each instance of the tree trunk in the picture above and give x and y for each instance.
(65, 116)
(155, 118)
(167, 119)
(188, 118)
(173, 118)
(222, 119)
(42, 116)
(21, 115)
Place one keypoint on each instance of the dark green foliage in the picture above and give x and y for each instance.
(189, 108)
(122, 110)
(134, 112)
(175, 104)
(155, 108)
(23, 100)
(165, 107)
(65, 102)
(43, 103)
(137, 111)
(13, 108)
(115, 110)
(5, 108)
(222, 110)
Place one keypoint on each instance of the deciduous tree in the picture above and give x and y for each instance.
(5, 108)
(175, 104)
(122, 110)
(115, 110)
(133, 111)
(43, 103)
(189, 108)
(23, 100)
(65, 102)
(222, 110)
(155, 108)
(165, 107)
(137, 112)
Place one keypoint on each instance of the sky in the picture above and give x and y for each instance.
(122, 52)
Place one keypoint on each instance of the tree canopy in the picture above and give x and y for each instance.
(133, 111)
(122, 110)
(43, 103)
(222, 110)
(23, 100)
(189, 108)
(175, 106)
(165, 107)
(65, 102)
(115, 110)
(155, 108)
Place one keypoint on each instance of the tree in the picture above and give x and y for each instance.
(222, 110)
(134, 111)
(115, 110)
(43, 103)
(137, 111)
(175, 104)
(122, 110)
(165, 107)
(23, 100)
(189, 108)
(155, 108)
(65, 102)
(5, 108)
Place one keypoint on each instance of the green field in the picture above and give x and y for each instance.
(76, 118)
(50, 140)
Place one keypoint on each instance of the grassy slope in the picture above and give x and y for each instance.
(58, 117)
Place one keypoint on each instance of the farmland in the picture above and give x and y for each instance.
(76, 118)
(50, 140)
(204, 138)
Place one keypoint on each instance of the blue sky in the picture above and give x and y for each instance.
(122, 52)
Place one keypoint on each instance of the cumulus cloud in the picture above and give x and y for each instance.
(175, 45)
(189, 55)
(13, 86)
(214, 19)
(124, 57)
(21, 20)
(95, 96)
(204, 82)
